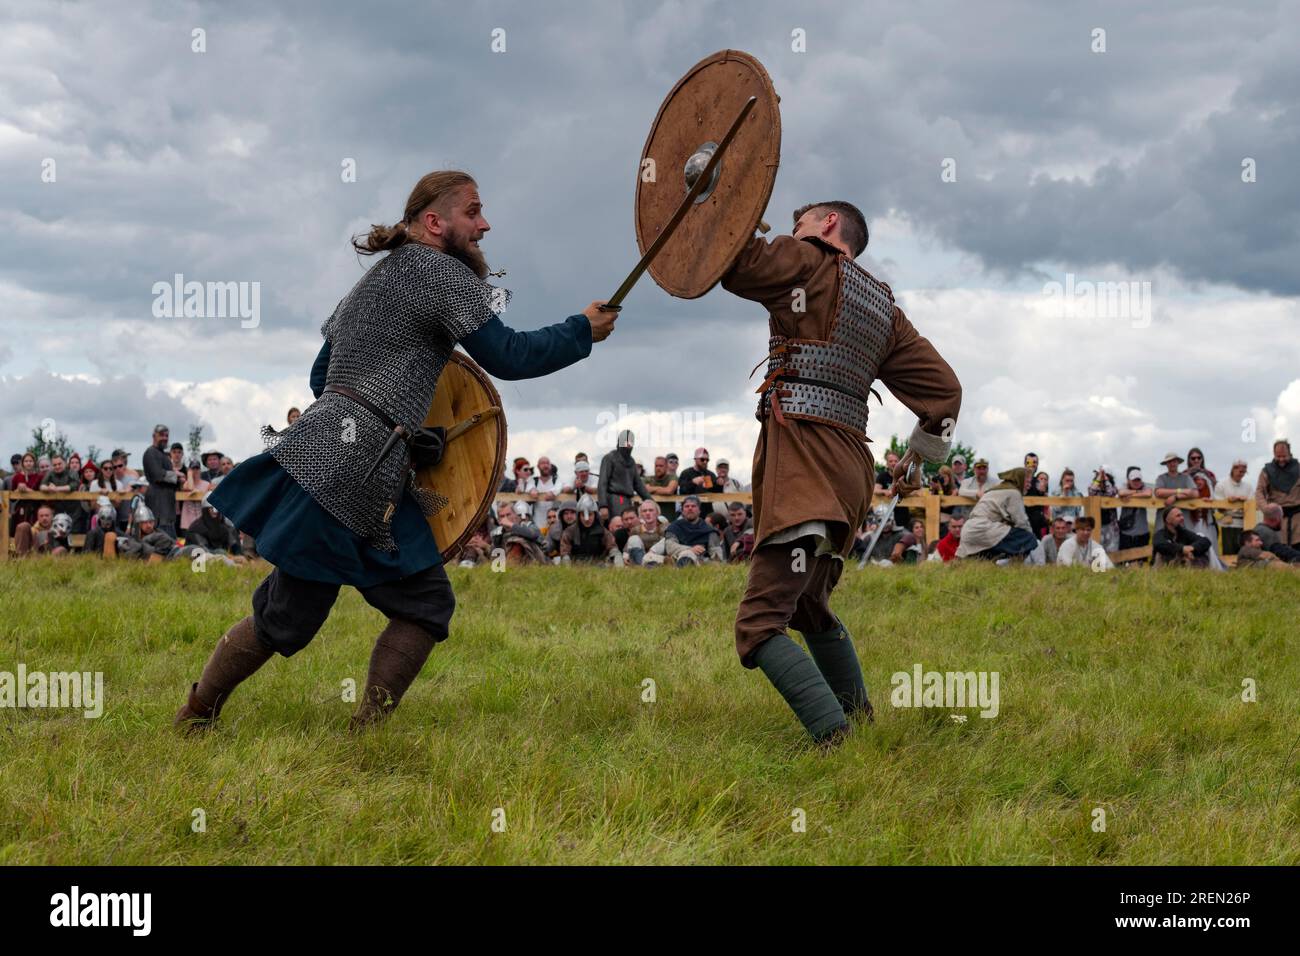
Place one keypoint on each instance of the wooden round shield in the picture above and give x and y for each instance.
(467, 405)
(695, 116)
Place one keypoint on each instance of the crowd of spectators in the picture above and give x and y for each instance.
(608, 514)
(1002, 527)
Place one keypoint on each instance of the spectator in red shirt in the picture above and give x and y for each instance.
(947, 546)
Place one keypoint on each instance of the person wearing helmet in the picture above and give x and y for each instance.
(517, 536)
(588, 539)
(61, 534)
(619, 478)
(101, 539)
(568, 515)
(146, 541)
(210, 531)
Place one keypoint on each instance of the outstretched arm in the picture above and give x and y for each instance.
(509, 354)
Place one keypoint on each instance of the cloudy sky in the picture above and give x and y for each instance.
(995, 148)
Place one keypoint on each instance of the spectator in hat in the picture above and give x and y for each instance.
(976, 484)
(588, 539)
(698, 478)
(89, 481)
(1079, 550)
(584, 482)
(124, 470)
(1279, 484)
(725, 482)
(567, 514)
(1234, 488)
(1134, 529)
(674, 464)
(211, 465)
(1174, 485)
(958, 468)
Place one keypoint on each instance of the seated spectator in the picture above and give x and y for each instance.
(101, 539)
(209, 530)
(1049, 548)
(947, 546)
(738, 539)
(1279, 484)
(894, 546)
(1234, 488)
(567, 515)
(517, 536)
(998, 527)
(587, 539)
(917, 528)
(688, 540)
(1272, 532)
(478, 549)
(49, 535)
(1174, 544)
(1079, 550)
(552, 516)
(644, 532)
(622, 525)
(146, 541)
(1253, 555)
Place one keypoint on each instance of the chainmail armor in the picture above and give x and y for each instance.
(829, 381)
(389, 339)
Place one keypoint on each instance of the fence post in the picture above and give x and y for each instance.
(931, 520)
(4, 526)
(1250, 518)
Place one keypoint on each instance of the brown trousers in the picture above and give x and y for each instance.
(786, 590)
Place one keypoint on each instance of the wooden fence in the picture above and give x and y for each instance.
(923, 501)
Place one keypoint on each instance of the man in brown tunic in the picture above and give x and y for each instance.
(834, 330)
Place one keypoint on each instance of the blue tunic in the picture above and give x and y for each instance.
(296, 534)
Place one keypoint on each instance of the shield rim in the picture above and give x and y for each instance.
(723, 56)
(450, 551)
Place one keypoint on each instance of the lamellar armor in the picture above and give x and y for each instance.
(389, 340)
(829, 381)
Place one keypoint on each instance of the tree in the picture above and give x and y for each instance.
(49, 441)
(196, 441)
(899, 448)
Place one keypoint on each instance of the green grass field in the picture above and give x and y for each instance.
(1120, 691)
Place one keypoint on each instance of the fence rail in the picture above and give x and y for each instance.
(923, 501)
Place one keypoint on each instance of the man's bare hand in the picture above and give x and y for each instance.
(602, 323)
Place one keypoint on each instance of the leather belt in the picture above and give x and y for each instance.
(397, 432)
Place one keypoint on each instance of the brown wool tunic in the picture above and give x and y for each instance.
(803, 470)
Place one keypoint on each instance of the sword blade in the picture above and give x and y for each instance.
(875, 535)
(615, 301)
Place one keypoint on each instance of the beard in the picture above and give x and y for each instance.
(458, 247)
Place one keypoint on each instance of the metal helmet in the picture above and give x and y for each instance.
(62, 525)
(587, 505)
(142, 514)
(522, 510)
(626, 438)
(107, 516)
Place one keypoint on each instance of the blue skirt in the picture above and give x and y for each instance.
(301, 538)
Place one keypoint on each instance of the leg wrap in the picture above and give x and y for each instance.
(399, 654)
(837, 659)
(236, 657)
(796, 677)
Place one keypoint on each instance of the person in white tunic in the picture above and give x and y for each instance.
(1080, 550)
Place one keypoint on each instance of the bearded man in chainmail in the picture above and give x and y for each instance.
(834, 331)
(305, 500)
